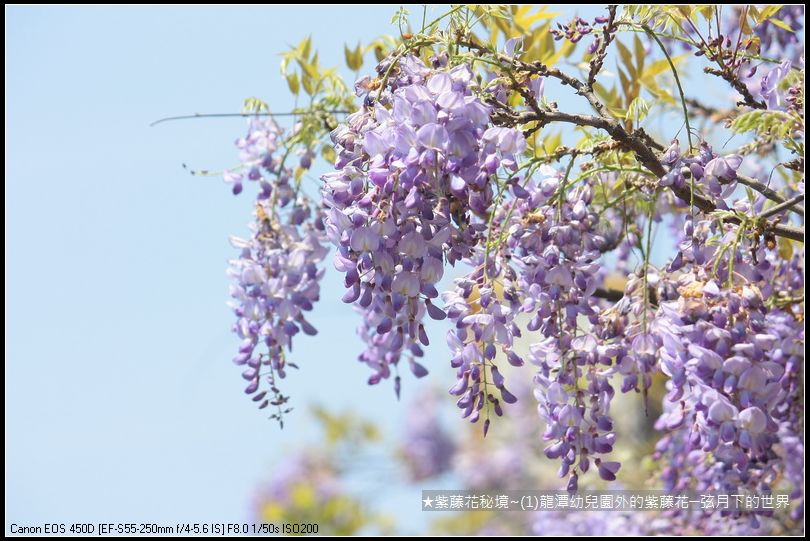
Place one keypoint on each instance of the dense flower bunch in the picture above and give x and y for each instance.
(277, 274)
(445, 163)
(556, 248)
(276, 282)
(483, 307)
(545, 267)
(733, 366)
(259, 160)
(414, 170)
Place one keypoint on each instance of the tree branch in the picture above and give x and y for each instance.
(782, 206)
(608, 33)
(638, 141)
(771, 194)
(712, 113)
(727, 74)
(638, 144)
(244, 115)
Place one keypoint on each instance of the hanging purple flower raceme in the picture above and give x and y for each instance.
(731, 355)
(483, 307)
(769, 85)
(411, 187)
(781, 41)
(630, 327)
(423, 177)
(277, 274)
(554, 248)
(276, 281)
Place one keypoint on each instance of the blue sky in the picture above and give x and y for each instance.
(121, 401)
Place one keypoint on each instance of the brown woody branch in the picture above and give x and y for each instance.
(787, 205)
(712, 113)
(771, 194)
(637, 141)
(728, 75)
(608, 33)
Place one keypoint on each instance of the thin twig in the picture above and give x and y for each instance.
(783, 206)
(608, 33)
(727, 74)
(243, 115)
(770, 193)
(712, 113)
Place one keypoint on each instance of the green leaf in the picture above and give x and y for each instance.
(354, 58)
(608, 96)
(707, 12)
(304, 47)
(328, 153)
(379, 53)
(767, 12)
(293, 83)
(626, 84)
(551, 143)
(778, 124)
(638, 48)
(785, 249)
(656, 90)
(637, 110)
(357, 59)
(525, 20)
(254, 105)
(662, 65)
(347, 54)
(627, 58)
(781, 24)
(308, 84)
(310, 70)
(401, 16)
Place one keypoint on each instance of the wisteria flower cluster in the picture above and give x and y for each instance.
(411, 191)
(614, 266)
(733, 366)
(277, 274)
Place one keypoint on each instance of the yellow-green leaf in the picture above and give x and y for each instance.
(293, 83)
(661, 65)
(308, 84)
(551, 143)
(637, 110)
(781, 24)
(304, 46)
(768, 12)
(354, 58)
(627, 58)
(785, 249)
(638, 48)
(328, 153)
